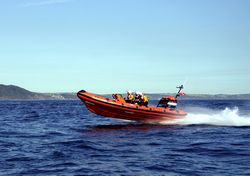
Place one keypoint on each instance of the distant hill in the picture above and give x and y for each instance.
(11, 92)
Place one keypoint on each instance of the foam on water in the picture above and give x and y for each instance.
(226, 117)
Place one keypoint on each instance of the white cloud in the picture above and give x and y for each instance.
(45, 2)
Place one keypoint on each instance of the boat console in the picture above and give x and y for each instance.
(167, 102)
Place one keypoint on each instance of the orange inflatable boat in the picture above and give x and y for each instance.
(118, 108)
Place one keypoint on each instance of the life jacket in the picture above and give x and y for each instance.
(145, 98)
(130, 97)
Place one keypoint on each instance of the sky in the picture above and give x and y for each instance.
(107, 46)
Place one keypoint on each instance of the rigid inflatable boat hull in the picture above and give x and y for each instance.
(114, 109)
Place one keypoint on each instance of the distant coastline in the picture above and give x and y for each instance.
(12, 92)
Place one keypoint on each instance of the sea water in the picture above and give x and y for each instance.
(64, 138)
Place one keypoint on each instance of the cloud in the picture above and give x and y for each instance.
(45, 2)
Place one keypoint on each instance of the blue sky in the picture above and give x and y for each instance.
(107, 46)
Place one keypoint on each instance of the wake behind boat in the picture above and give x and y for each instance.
(118, 108)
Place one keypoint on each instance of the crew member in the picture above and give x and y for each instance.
(137, 97)
(144, 100)
(130, 97)
(140, 98)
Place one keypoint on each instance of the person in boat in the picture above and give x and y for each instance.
(144, 100)
(137, 98)
(141, 99)
(130, 97)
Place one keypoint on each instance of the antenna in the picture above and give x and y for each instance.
(180, 88)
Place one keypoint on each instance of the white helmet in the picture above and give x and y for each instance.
(129, 92)
(139, 93)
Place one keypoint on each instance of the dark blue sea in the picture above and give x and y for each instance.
(63, 138)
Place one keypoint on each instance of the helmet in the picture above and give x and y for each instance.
(129, 92)
(139, 93)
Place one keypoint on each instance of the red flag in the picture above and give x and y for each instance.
(181, 93)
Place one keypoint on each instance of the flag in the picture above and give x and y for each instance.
(181, 93)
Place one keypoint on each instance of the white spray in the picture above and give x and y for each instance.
(227, 117)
